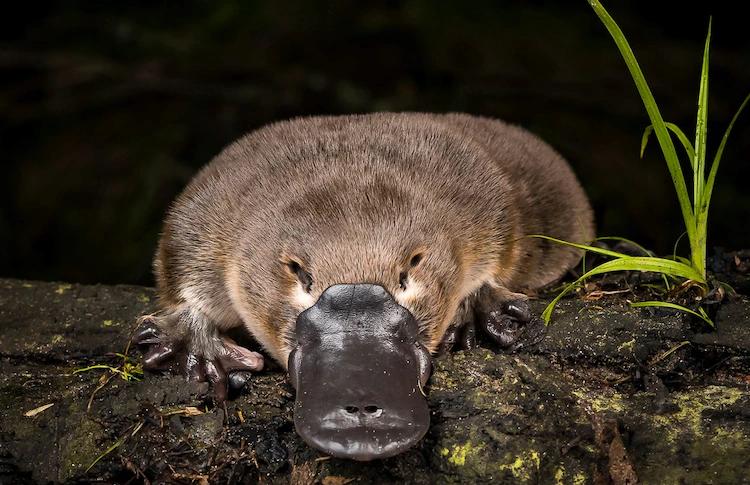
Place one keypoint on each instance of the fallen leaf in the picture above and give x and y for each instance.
(38, 410)
(336, 480)
(186, 411)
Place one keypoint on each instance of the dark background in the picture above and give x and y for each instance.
(108, 108)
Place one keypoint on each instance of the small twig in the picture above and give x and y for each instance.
(186, 411)
(99, 388)
(598, 294)
(669, 352)
(117, 443)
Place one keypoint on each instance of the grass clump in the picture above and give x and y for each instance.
(694, 209)
(129, 370)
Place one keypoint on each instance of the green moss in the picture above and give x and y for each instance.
(63, 288)
(559, 475)
(691, 404)
(458, 453)
(604, 401)
(730, 437)
(528, 369)
(719, 450)
(629, 345)
(579, 478)
(84, 445)
(492, 400)
(442, 381)
(524, 467)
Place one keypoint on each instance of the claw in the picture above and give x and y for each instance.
(148, 335)
(449, 340)
(218, 379)
(158, 355)
(468, 339)
(149, 341)
(519, 310)
(196, 369)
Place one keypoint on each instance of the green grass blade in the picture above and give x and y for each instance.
(625, 240)
(699, 162)
(630, 263)
(642, 263)
(674, 306)
(680, 259)
(106, 452)
(689, 150)
(547, 313)
(635, 244)
(94, 367)
(665, 141)
(123, 373)
(585, 247)
(708, 189)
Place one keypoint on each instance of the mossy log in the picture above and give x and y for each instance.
(611, 394)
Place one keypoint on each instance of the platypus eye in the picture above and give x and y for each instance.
(303, 276)
(415, 260)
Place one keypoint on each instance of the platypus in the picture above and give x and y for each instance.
(354, 247)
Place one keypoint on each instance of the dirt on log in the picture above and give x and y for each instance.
(612, 394)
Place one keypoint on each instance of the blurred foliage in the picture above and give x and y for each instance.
(108, 108)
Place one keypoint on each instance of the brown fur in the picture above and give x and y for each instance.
(353, 199)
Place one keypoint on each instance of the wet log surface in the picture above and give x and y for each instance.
(612, 393)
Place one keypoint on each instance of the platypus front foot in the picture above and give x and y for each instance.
(512, 325)
(226, 366)
(503, 316)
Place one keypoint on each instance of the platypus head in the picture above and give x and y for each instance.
(371, 310)
(359, 369)
(353, 291)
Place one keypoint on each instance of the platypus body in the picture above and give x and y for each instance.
(352, 247)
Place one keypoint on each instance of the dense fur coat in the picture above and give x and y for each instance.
(431, 207)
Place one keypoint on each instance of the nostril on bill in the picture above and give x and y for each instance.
(370, 411)
(373, 411)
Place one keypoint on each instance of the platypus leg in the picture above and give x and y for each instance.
(190, 340)
(461, 333)
(507, 319)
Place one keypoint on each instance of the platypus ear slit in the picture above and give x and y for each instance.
(303, 276)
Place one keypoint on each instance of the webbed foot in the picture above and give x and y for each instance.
(512, 325)
(228, 369)
(503, 316)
